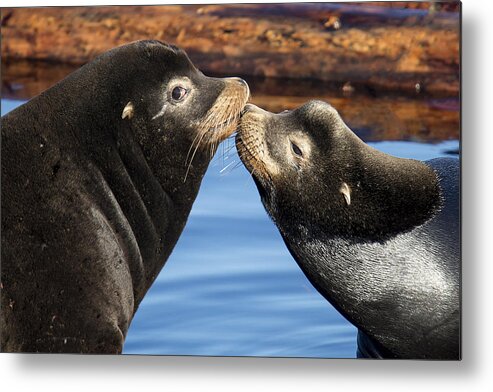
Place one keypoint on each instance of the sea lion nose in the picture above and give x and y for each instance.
(240, 81)
(248, 108)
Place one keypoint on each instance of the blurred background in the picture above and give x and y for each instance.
(392, 69)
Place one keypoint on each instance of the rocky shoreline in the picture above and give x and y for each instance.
(384, 47)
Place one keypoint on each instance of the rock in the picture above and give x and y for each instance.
(382, 46)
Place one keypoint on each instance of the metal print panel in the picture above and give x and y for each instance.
(273, 180)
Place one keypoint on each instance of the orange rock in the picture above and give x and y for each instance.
(383, 46)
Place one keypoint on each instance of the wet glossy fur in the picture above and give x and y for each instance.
(390, 260)
(93, 204)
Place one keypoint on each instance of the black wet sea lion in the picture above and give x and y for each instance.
(99, 174)
(377, 236)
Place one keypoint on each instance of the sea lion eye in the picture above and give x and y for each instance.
(296, 149)
(178, 93)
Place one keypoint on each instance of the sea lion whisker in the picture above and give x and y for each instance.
(238, 164)
(191, 146)
(223, 170)
(191, 159)
(212, 148)
(228, 149)
(222, 156)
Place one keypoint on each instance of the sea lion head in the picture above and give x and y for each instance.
(168, 103)
(316, 177)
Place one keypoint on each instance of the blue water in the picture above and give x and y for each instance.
(230, 286)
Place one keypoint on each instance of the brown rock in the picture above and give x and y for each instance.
(388, 48)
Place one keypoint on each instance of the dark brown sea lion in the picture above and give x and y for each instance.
(99, 174)
(377, 236)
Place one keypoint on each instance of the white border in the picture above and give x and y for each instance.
(474, 373)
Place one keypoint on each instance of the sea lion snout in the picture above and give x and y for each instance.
(251, 142)
(221, 119)
(241, 82)
(248, 107)
(270, 144)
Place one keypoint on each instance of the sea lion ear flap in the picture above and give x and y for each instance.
(128, 111)
(346, 192)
